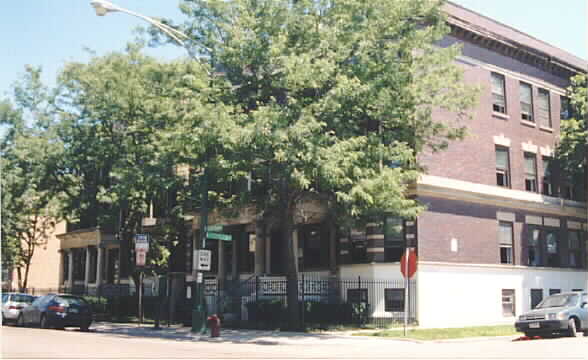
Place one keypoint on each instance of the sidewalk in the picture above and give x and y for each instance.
(242, 336)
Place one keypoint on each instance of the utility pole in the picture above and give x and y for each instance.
(199, 309)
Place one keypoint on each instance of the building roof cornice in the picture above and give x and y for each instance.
(492, 34)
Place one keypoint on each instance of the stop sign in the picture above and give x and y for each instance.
(412, 263)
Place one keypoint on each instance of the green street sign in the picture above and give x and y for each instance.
(218, 236)
(215, 228)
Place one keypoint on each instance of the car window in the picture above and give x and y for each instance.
(39, 300)
(4, 298)
(558, 301)
(70, 300)
(27, 299)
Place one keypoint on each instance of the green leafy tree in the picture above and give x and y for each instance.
(29, 150)
(113, 112)
(329, 100)
(571, 150)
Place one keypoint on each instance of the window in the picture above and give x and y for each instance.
(554, 291)
(508, 302)
(505, 238)
(526, 95)
(502, 167)
(575, 250)
(498, 98)
(394, 299)
(552, 247)
(534, 248)
(65, 266)
(79, 264)
(530, 172)
(536, 297)
(358, 248)
(547, 178)
(565, 109)
(394, 244)
(544, 108)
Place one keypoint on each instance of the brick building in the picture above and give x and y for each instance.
(503, 228)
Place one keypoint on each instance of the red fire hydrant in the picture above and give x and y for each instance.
(214, 325)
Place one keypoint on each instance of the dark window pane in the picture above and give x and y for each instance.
(394, 299)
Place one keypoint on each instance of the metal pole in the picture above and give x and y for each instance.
(140, 297)
(406, 289)
(199, 311)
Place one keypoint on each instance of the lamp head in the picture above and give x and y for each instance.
(103, 7)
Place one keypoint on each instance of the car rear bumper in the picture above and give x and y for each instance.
(69, 319)
(11, 314)
(543, 325)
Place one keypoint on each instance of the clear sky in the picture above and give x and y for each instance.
(49, 33)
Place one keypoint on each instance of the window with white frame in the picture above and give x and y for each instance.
(526, 96)
(502, 167)
(530, 172)
(548, 188)
(498, 93)
(508, 302)
(552, 248)
(506, 241)
(544, 109)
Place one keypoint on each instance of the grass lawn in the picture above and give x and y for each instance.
(449, 333)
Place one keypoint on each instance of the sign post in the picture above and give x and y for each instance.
(141, 249)
(408, 266)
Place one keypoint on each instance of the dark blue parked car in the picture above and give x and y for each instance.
(57, 311)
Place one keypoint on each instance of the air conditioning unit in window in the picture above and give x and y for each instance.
(526, 116)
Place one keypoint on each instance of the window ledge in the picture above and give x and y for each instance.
(545, 128)
(500, 115)
(528, 123)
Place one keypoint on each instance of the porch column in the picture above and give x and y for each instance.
(70, 267)
(61, 272)
(222, 270)
(87, 268)
(296, 253)
(259, 248)
(99, 266)
(332, 247)
(268, 254)
(234, 259)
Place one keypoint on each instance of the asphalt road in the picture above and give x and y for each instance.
(18, 343)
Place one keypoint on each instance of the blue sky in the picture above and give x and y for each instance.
(49, 33)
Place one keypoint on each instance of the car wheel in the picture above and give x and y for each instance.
(20, 321)
(572, 330)
(43, 324)
(85, 327)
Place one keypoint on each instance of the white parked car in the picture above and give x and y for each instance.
(13, 303)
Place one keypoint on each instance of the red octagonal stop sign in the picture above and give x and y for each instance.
(412, 263)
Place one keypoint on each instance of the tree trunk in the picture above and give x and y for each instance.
(292, 270)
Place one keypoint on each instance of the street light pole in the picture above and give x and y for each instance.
(103, 7)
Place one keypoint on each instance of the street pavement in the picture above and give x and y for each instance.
(128, 341)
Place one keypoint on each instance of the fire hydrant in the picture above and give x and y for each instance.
(214, 325)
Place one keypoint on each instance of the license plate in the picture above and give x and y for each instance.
(74, 311)
(534, 325)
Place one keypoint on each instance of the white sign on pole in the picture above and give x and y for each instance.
(199, 278)
(142, 241)
(141, 256)
(202, 259)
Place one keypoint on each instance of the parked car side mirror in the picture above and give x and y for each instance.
(584, 304)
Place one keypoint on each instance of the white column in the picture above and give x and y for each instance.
(70, 268)
(87, 268)
(98, 266)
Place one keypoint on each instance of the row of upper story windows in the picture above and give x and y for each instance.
(540, 114)
(548, 187)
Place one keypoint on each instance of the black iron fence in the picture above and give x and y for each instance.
(261, 302)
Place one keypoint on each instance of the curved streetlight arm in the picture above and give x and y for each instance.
(104, 7)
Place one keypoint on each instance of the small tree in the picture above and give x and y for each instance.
(571, 150)
(30, 197)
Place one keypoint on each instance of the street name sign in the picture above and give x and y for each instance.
(219, 236)
(215, 228)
